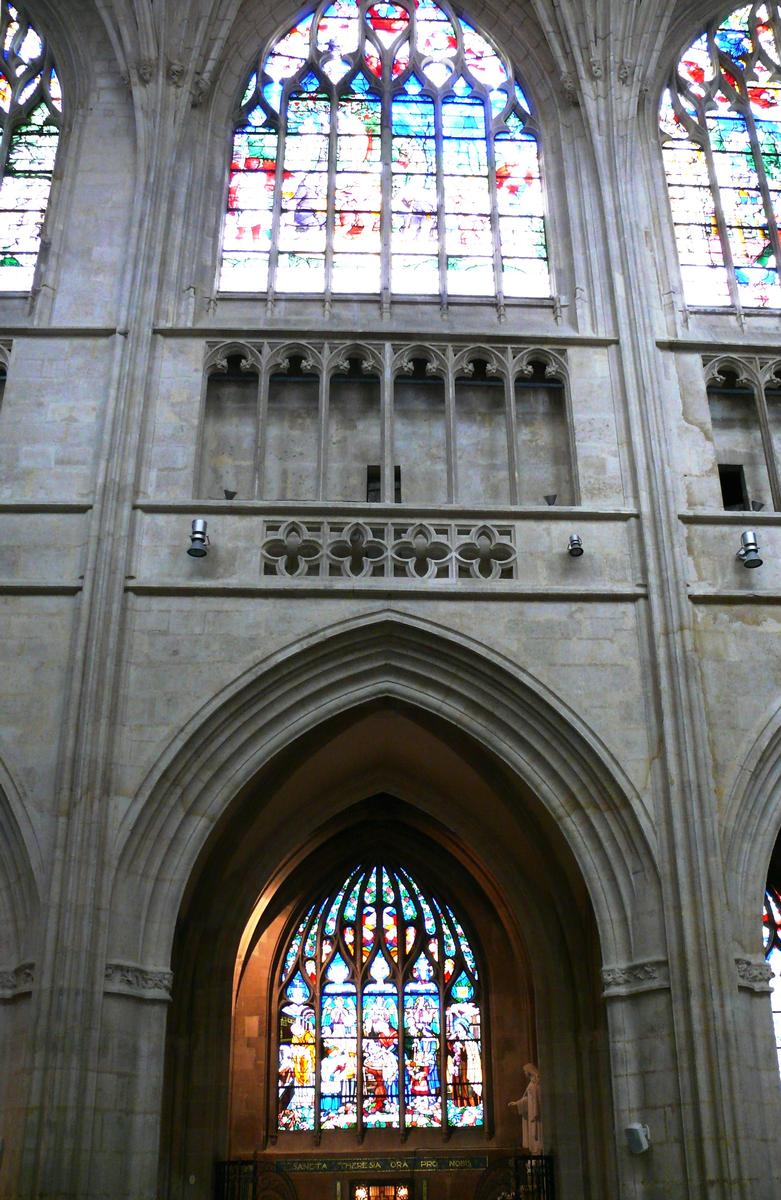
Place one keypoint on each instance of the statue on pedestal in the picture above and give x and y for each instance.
(529, 1110)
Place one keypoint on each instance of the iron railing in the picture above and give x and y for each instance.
(514, 1177)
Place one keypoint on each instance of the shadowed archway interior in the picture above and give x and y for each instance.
(385, 778)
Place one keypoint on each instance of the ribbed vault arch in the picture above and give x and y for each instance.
(385, 657)
(20, 869)
(752, 820)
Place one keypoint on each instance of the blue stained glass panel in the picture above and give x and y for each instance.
(413, 117)
(464, 156)
(463, 119)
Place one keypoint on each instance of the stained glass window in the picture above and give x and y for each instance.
(720, 125)
(30, 108)
(379, 1012)
(771, 930)
(385, 147)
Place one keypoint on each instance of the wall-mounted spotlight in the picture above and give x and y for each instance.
(638, 1138)
(199, 539)
(575, 545)
(749, 549)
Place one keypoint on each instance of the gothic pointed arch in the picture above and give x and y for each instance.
(721, 144)
(387, 148)
(20, 870)
(379, 1013)
(752, 824)
(332, 672)
(31, 113)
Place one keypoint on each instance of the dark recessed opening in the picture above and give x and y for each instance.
(374, 484)
(734, 496)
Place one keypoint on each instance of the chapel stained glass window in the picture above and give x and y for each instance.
(720, 125)
(379, 1012)
(30, 114)
(385, 148)
(771, 931)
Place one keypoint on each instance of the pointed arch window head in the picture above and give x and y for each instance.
(379, 1012)
(771, 940)
(720, 122)
(385, 148)
(30, 118)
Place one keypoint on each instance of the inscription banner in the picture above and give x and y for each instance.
(369, 1163)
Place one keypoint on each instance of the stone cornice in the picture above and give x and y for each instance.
(17, 981)
(754, 974)
(143, 983)
(627, 979)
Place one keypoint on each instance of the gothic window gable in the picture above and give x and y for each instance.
(379, 1012)
(720, 128)
(30, 120)
(385, 148)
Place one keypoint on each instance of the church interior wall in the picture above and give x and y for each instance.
(122, 320)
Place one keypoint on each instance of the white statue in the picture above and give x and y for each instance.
(528, 1109)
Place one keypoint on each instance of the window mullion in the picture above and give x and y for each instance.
(721, 220)
(358, 958)
(276, 212)
(759, 162)
(386, 151)
(441, 248)
(443, 1084)
(320, 977)
(330, 221)
(492, 191)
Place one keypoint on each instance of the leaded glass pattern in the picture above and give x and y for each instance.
(379, 1012)
(720, 123)
(385, 148)
(771, 932)
(30, 115)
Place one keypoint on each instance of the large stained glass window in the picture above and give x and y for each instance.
(721, 137)
(30, 107)
(771, 930)
(379, 1012)
(385, 148)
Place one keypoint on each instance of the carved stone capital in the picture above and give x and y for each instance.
(144, 983)
(630, 978)
(754, 974)
(17, 981)
(145, 69)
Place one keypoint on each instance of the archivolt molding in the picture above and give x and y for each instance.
(218, 353)
(751, 825)
(338, 669)
(649, 976)
(746, 369)
(142, 983)
(20, 864)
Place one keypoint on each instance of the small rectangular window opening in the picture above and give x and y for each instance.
(374, 484)
(734, 495)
